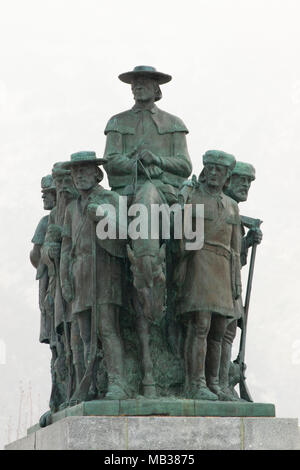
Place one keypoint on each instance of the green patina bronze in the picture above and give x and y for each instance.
(144, 326)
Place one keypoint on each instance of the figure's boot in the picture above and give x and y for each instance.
(45, 419)
(78, 359)
(202, 392)
(149, 389)
(115, 389)
(213, 358)
(198, 389)
(224, 371)
(58, 395)
(113, 352)
(188, 344)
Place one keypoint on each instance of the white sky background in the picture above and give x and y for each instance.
(236, 85)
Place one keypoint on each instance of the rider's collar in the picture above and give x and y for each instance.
(137, 109)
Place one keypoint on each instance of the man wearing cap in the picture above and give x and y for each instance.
(61, 311)
(212, 278)
(146, 150)
(79, 244)
(47, 333)
(242, 176)
(49, 200)
(66, 192)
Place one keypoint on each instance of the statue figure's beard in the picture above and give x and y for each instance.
(63, 198)
(68, 193)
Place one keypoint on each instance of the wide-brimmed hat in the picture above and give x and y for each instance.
(219, 157)
(145, 71)
(47, 184)
(244, 169)
(84, 156)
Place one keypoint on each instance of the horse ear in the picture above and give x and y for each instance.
(130, 254)
(162, 252)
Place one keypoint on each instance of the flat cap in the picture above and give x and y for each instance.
(219, 158)
(47, 183)
(244, 169)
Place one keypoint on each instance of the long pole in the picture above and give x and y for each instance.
(244, 391)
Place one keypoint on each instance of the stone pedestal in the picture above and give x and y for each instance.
(163, 433)
(165, 407)
(164, 424)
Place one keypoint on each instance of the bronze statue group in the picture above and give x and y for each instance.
(143, 317)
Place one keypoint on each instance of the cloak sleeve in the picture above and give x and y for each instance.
(118, 162)
(179, 163)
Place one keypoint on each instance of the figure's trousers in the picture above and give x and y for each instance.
(109, 334)
(109, 329)
(227, 342)
(77, 351)
(147, 195)
(203, 354)
(214, 350)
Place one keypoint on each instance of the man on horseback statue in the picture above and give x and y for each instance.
(148, 161)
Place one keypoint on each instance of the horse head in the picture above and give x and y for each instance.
(149, 281)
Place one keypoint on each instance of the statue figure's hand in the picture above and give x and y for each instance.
(132, 153)
(148, 158)
(254, 236)
(54, 250)
(67, 292)
(92, 210)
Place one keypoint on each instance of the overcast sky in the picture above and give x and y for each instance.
(236, 85)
